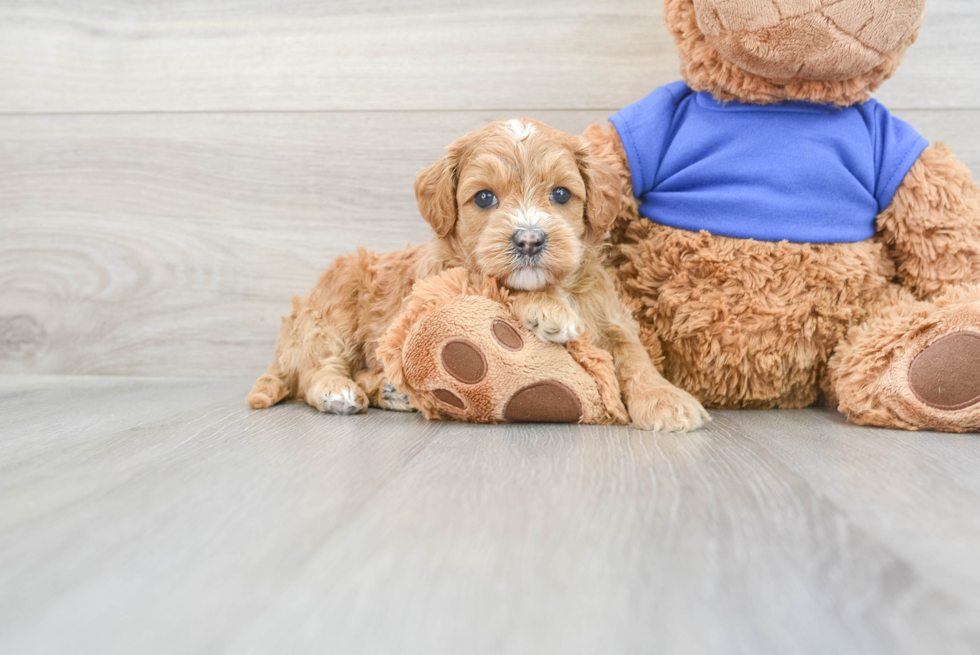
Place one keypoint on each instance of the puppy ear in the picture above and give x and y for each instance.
(435, 191)
(603, 189)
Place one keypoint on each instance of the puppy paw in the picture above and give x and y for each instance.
(268, 390)
(342, 398)
(553, 322)
(667, 409)
(259, 400)
(395, 401)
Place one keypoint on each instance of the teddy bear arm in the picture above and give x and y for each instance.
(932, 227)
(606, 146)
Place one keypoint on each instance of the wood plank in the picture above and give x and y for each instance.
(214, 55)
(296, 55)
(171, 244)
(930, 479)
(940, 70)
(221, 529)
(33, 408)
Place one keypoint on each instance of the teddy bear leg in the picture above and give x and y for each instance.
(912, 365)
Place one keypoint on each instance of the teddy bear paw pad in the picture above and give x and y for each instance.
(946, 374)
(544, 402)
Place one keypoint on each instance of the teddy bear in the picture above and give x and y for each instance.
(783, 239)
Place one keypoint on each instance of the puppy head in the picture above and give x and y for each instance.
(519, 201)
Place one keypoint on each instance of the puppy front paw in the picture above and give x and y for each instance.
(554, 321)
(667, 409)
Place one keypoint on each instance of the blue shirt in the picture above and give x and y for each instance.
(795, 171)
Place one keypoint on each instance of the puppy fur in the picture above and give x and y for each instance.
(326, 351)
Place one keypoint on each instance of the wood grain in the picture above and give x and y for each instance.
(171, 244)
(350, 55)
(210, 528)
(931, 480)
(215, 55)
(171, 172)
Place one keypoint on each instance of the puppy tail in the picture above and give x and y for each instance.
(269, 389)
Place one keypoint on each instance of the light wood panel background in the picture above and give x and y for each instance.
(170, 173)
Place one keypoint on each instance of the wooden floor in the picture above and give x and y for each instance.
(162, 516)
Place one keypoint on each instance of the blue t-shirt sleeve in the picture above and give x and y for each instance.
(897, 147)
(643, 128)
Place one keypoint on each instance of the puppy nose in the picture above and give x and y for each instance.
(529, 242)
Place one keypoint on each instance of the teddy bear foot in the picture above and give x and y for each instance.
(915, 368)
(459, 354)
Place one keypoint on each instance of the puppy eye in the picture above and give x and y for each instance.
(485, 199)
(561, 196)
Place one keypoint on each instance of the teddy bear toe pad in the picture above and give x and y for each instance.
(448, 397)
(507, 336)
(464, 361)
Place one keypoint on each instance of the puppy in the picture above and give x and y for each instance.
(518, 201)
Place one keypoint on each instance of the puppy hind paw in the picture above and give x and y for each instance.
(344, 401)
(266, 392)
(257, 400)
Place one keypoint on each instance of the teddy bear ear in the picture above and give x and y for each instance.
(603, 188)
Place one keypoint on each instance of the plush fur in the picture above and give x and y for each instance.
(327, 348)
(808, 39)
(749, 324)
(455, 305)
(706, 69)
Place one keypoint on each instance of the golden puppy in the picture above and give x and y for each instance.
(518, 201)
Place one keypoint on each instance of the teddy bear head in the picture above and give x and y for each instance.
(764, 51)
